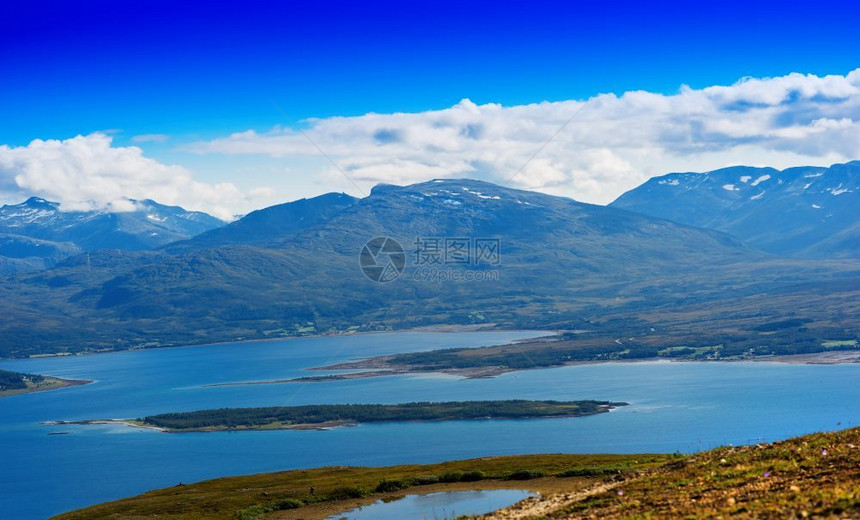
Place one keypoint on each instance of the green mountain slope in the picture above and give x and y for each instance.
(561, 262)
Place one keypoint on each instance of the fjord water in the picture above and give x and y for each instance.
(674, 407)
(446, 505)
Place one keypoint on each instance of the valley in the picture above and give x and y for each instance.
(409, 260)
(278, 297)
(564, 266)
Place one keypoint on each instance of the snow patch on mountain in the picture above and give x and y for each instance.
(760, 180)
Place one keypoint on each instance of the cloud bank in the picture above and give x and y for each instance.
(87, 173)
(592, 150)
(612, 144)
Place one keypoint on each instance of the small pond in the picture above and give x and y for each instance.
(446, 505)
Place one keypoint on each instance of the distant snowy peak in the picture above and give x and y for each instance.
(836, 180)
(31, 210)
(793, 211)
(463, 193)
(39, 202)
(37, 209)
(147, 226)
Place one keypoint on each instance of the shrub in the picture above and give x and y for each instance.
(472, 476)
(288, 503)
(346, 492)
(259, 511)
(424, 480)
(591, 471)
(254, 512)
(451, 476)
(524, 474)
(391, 485)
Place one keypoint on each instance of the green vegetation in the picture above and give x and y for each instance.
(17, 381)
(840, 343)
(319, 415)
(712, 352)
(812, 476)
(815, 476)
(287, 494)
(612, 275)
(13, 383)
(524, 474)
(572, 348)
(779, 325)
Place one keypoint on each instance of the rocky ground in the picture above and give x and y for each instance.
(816, 476)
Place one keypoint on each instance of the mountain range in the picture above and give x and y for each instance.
(294, 269)
(270, 225)
(807, 212)
(36, 233)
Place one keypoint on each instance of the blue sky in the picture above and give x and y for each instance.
(167, 67)
(194, 73)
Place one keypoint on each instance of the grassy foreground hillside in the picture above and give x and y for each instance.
(337, 489)
(815, 476)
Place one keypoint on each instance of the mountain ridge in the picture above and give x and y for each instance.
(270, 224)
(60, 234)
(562, 263)
(816, 206)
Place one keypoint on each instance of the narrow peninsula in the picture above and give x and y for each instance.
(14, 383)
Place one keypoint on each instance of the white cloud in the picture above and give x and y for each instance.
(613, 144)
(150, 138)
(87, 172)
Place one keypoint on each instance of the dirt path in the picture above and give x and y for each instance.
(541, 506)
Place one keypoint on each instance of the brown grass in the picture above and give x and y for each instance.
(222, 498)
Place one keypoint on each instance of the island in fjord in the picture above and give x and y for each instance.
(331, 415)
(14, 383)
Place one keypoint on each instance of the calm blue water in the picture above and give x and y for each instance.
(675, 406)
(446, 505)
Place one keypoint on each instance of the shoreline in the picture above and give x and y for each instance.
(445, 329)
(131, 423)
(377, 367)
(134, 423)
(51, 383)
(831, 357)
(604, 407)
(538, 473)
(705, 483)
